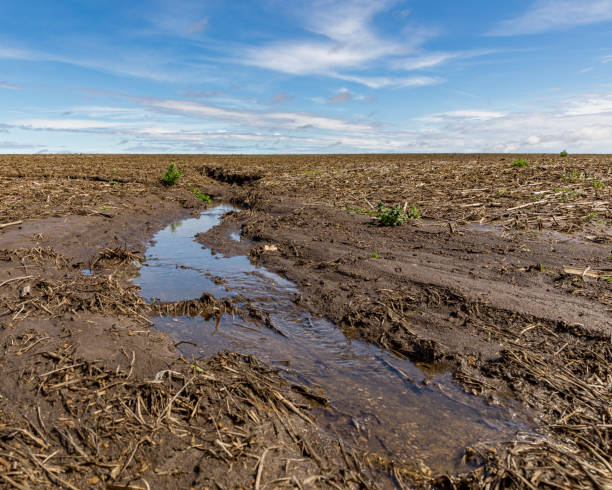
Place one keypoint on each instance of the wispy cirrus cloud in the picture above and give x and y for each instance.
(549, 15)
(10, 86)
(293, 121)
(66, 124)
(386, 81)
(463, 115)
(346, 43)
(196, 110)
(13, 145)
(120, 61)
(181, 18)
(431, 60)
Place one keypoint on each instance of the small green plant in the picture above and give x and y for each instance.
(375, 255)
(521, 162)
(170, 176)
(564, 153)
(113, 182)
(566, 194)
(572, 177)
(201, 195)
(197, 368)
(501, 192)
(105, 208)
(390, 216)
(598, 184)
(607, 277)
(414, 213)
(591, 216)
(545, 269)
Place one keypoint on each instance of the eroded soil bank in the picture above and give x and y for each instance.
(504, 280)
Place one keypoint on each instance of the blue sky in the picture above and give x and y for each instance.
(273, 76)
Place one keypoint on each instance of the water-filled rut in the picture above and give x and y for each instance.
(382, 403)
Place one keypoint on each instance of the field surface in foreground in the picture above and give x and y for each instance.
(504, 280)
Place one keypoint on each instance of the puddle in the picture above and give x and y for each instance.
(380, 402)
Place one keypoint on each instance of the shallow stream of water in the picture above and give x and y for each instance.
(377, 401)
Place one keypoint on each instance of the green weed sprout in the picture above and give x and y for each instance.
(390, 216)
(564, 153)
(521, 162)
(414, 213)
(170, 176)
(201, 195)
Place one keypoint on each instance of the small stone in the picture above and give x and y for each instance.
(25, 292)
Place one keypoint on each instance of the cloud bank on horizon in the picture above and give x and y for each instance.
(196, 76)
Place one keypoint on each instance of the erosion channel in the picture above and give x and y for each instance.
(376, 401)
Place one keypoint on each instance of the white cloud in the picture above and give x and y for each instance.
(349, 44)
(590, 105)
(9, 86)
(65, 124)
(465, 115)
(533, 140)
(181, 18)
(425, 61)
(13, 145)
(580, 123)
(302, 58)
(151, 65)
(106, 112)
(549, 15)
(607, 59)
(393, 82)
(280, 120)
(432, 60)
(17, 54)
(586, 126)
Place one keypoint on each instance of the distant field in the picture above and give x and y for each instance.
(567, 194)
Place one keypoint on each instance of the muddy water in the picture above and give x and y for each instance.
(377, 401)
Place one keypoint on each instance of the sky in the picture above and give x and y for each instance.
(319, 76)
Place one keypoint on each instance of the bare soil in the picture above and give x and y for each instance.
(505, 279)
